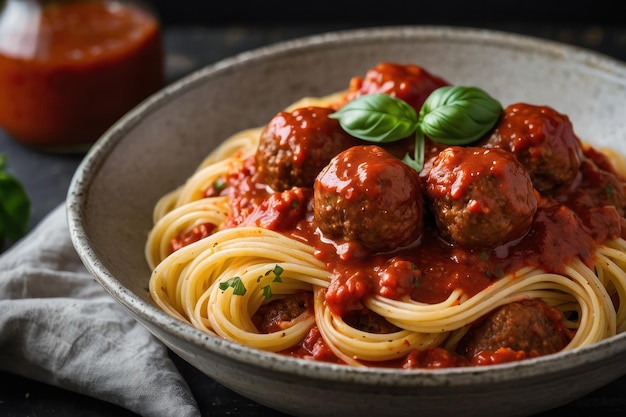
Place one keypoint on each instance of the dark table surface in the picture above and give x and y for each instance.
(46, 178)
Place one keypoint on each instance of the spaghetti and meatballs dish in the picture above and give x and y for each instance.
(402, 222)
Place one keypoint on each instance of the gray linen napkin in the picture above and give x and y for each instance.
(59, 326)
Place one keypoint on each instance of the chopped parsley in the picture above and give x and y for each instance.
(236, 284)
(239, 289)
(267, 291)
(277, 271)
(219, 184)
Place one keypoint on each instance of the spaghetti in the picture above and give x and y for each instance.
(230, 261)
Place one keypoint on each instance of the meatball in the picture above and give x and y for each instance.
(408, 82)
(368, 321)
(480, 198)
(278, 314)
(530, 326)
(600, 185)
(543, 140)
(295, 146)
(599, 198)
(367, 195)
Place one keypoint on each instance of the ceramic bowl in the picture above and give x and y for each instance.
(158, 144)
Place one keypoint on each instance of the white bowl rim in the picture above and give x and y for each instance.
(450, 377)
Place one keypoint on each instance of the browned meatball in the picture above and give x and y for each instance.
(480, 198)
(530, 326)
(599, 185)
(543, 140)
(367, 195)
(278, 314)
(295, 146)
(599, 197)
(408, 82)
(368, 321)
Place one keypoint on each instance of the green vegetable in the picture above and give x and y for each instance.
(236, 283)
(267, 291)
(377, 118)
(219, 184)
(14, 205)
(452, 115)
(240, 289)
(278, 271)
(455, 115)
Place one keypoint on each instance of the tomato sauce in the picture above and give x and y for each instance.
(432, 268)
(74, 68)
(558, 234)
(568, 224)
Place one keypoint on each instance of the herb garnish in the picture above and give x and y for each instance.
(219, 184)
(278, 270)
(15, 205)
(452, 115)
(416, 281)
(267, 290)
(240, 289)
(236, 284)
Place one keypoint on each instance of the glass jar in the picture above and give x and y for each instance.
(70, 68)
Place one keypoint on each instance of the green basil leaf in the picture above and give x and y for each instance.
(458, 115)
(451, 115)
(15, 206)
(377, 118)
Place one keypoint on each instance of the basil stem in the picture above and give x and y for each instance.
(452, 115)
(14, 205)
(417, 163)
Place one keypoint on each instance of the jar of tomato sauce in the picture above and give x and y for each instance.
(70, 68)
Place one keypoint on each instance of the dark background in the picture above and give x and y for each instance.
(385, 12)
(593, 24)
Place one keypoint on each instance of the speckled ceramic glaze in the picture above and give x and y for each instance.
(157, 145)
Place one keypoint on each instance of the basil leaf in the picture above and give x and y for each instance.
(451, 115)
(377, 118)
(458, 115)
(15, 205)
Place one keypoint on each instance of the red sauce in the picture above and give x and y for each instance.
(198, 232)
(568, 224)
(74, 69)
(558, 234)
(410, 83)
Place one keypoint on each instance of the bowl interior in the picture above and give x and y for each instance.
(158, 145)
